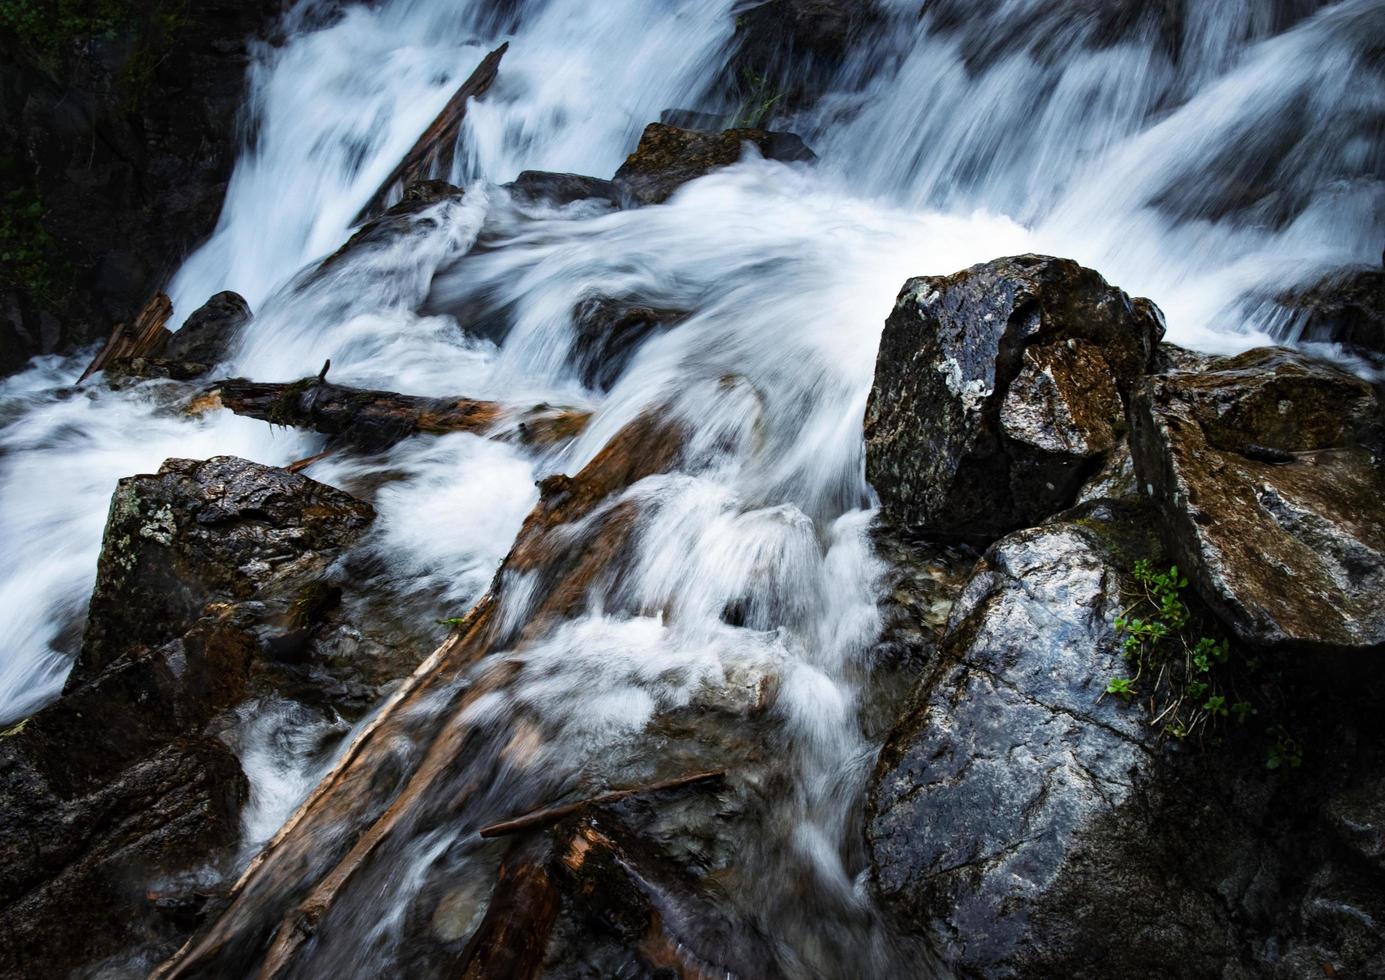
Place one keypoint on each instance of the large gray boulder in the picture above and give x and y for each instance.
(998, 390)
(1267, 473)
(119, 805)
(1028, 826)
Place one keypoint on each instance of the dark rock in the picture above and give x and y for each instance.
(223, 529)
(124, 143)
(1266, 471)
(205, 337)
(77, 862)
(403, 218)
(982, 790)
(609, 331)
(538, 186)
(118, 807)
(998, 390)
(1030, 827)
(785, 52)
(1346, 307)
(668, 157)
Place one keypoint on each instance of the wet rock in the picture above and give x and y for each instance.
(1267, 474)
(1345, 307)
(998, 390)
(223, 529)
(980, 792)
(407, 217)
(610, 331)
(77, 860)
(1030, 827)
(118, 805)
(785, 51)
(538, 186)
(205, 337)
(668, 157)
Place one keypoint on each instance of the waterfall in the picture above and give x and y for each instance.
(1202, 160)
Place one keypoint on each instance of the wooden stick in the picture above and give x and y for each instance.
(539, 819)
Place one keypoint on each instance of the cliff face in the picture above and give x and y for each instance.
(118, 130)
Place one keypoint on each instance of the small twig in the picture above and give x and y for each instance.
(537, 819)
(300, 465)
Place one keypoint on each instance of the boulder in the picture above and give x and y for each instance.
(223, 529)
(1344, 307)
(669, 157)
(1028, 826)
(998, 390)
(1266, 471)
(609, 331)
(119, 807)
(542, 187)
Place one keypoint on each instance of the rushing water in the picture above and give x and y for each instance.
(1205, 164)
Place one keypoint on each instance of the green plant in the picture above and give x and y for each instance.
(1176, 669)
(1284, 751)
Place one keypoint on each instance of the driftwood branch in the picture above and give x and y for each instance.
(539, 819)
(435, 149)
(144, 338)
(376, 420)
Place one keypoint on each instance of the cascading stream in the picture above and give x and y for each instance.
(1128, 146)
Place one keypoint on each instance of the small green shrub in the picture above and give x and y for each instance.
(1188, 679)
(1179, 673)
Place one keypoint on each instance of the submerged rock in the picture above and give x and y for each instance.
(610, 331)
(786, 51)
(669, 157)
(1267, 473)
(998, 390)
(1345, 307)
(539, 186)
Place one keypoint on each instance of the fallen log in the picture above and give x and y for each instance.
(433, 153)
(375, 420)
(144, 338)
(538, 819)
(512, 939)
(394, 778)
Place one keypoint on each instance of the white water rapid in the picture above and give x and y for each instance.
(1208, 179)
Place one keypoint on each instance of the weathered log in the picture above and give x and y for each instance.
(376, 420)
(512, 939)
(669, 922)
(538, 819)
(144, 338)
(433, 153)
(389, 780)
